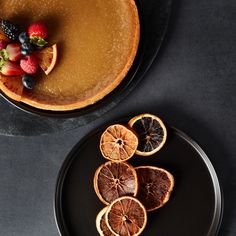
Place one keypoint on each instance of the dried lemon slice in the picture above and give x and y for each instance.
(151, 133)
(126, 216)
(101, 224)
(155, 186)
(115, 179)
(118, 143)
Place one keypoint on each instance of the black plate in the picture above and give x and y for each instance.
(195, 207)
(154, 17)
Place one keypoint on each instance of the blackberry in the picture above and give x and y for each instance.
(11, 30)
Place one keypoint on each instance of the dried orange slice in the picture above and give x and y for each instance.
(115, 179)
(151, 133)
(47, 58)
(101, 224)
(155, 186)
(118, 143)
(12, 86)
(4, 37)
(126, 216)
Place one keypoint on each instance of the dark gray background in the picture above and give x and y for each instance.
(191, 85)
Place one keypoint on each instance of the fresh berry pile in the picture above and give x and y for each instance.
(18, 50)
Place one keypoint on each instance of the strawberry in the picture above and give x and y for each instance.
(29, 64)
(3, 44)
(38, 29)
(14, 51)
(10, 69)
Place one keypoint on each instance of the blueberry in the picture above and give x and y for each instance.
(27, 48)
(25, 52)
(24, 37)
(28, 81)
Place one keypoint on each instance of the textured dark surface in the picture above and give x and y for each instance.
(191, 85)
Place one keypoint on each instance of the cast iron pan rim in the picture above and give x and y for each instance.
(219, 204)
(103, 108)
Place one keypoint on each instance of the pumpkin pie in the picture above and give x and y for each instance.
(97, 43)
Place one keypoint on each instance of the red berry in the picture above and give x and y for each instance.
(38, 29)
(29, 64)
(14, 51)
(3, 44)
(11, 69)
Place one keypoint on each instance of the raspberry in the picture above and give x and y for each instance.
(29, 64)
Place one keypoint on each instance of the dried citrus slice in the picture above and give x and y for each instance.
(126, 216)
(12, 86)
(4, 37)
(101, 224)
(118, 143)
(151, 133)
(115, 179)
(155, 186)
(47, 58)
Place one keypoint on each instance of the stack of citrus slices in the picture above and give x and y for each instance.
(130, 192)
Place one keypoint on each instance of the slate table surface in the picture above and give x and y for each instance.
(192, 85)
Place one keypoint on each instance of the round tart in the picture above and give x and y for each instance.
(97, 43)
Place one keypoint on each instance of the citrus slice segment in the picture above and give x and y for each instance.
(126, 216)
(47, 58)
(12, 86)
(151, 133)
(4, 37)
(118, 143)
(115, 179)
(101, 224)
(155, 186)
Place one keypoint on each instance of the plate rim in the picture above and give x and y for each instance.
(218, 193)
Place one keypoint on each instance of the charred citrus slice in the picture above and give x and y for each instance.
(101, 224)
(47, 58)
(155, 186)
(118, 143)
(115, 179)
(151, 133)
(12, 86)
(126, 216)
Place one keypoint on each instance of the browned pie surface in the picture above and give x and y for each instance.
(97, 41)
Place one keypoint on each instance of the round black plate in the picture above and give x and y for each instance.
(154, 16)
(195, 206)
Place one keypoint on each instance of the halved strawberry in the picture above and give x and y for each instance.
(10, 69)
(3, 44)
(29, 64)
(14, 51)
